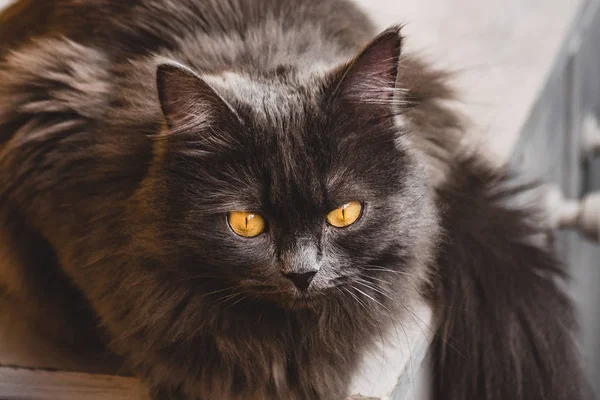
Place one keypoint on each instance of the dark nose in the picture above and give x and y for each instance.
(301, 280)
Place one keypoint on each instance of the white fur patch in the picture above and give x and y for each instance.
(397, 362)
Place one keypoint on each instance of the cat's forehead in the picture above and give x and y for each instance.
(297, 146)
(268, 99)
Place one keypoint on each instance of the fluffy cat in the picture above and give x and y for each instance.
(130, 131)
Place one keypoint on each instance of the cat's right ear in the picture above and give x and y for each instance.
(187, 101)
(368, 82)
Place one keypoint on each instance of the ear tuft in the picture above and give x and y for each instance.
(371, 77)
(186, 99)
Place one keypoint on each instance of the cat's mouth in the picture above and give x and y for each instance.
(303, 301)
(290, 299)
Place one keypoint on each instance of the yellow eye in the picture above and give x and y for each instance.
(345, 215)
(246, 224)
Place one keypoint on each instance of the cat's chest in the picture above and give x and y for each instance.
(394, 363)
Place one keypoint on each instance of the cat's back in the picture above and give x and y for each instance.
(129, 28)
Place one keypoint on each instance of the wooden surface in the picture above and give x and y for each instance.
(24, 384)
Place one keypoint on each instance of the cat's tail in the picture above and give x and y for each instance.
(506, 329)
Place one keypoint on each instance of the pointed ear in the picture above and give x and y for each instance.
(370, 79)
(187, 100)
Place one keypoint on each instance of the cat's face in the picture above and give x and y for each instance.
(288, 193)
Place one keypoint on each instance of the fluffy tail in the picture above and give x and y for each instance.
(505, 328)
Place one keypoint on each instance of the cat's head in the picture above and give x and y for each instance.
(292, 187)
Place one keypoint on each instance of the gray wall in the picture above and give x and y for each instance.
(550, 148)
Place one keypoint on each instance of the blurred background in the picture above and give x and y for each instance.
(528, 72)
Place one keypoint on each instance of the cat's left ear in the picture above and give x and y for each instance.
(187, 101)
(370, 78)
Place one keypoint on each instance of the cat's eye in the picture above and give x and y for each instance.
(345, 215)
(246, 224)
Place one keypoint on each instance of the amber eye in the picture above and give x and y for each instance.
(345, 215)
(246, 224)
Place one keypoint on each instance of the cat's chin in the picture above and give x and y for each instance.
(304, 303)
(296, 301)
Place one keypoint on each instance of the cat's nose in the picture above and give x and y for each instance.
(301, 280)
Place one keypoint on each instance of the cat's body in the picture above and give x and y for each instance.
(116, 185)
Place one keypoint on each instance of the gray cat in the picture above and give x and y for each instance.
(239, 196)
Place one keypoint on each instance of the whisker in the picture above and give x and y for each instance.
(225, 299)
(413, 287)
(392, 319)
(189, 278)
(377, 268)
(413, 316)
(217, 291)
(365, 283)
(236, 302)
(377, 326)
(411, 313)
